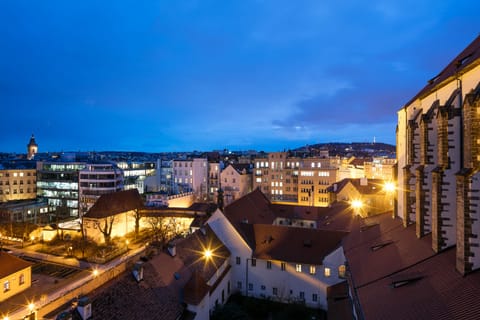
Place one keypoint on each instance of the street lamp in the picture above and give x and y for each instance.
(207, 254)
(389, 187)
(357, 206)
(126, 243)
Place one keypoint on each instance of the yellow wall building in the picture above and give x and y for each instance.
(15, 275)
(17, 184)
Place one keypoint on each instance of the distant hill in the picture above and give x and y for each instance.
(357, 149)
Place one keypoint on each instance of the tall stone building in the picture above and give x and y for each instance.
(32, 148)
(438, 156)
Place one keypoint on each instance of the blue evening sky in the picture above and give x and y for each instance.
(202, 75)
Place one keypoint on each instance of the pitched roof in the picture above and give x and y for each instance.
(398, 276)
(114, 203)
(252, 208)
(195, 289)
(11, 264)
(386, 245)
(372, 186)
(466, 60)
(299, 245)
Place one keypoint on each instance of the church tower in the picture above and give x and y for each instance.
(32, 148)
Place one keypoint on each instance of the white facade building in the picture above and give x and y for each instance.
(97, 179)
(191, 175)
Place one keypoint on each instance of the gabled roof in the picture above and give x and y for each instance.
(11, 264)
(372, 186)
(297, 245)
(466, 60)
(252, 208)
(114, 203)
(240, 167)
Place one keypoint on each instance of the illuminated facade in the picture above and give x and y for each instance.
(191, 176)
(438, 152)
(135, 173)
(236, 180)
(58, 183)
(380, 168)
(97, 179)
(17, 183)
(302, 181)
(15, 275)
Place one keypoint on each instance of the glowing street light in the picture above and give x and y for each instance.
(95, 273)
(6, 318)
(389, 187)
(31, 307)
(207, 254)
(357, 204)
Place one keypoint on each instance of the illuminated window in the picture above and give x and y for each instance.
(312, 270)
(298, 267)
(327, 272)
(341, 271)
(21, 279)
(6, 286)
(15, 174)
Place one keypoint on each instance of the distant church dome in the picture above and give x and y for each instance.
(32, 148)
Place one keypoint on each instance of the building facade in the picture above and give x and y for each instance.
(236, 181)
(438, 152)
(17, 182)
(97, 179)
(57, 181)
(302, 181)
(191, 176)
(15, 275)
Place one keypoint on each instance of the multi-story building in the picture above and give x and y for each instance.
(438, 154)
(277, 176)
(286, 264)
(191, 175)
(97, 179)
(302, 181)
(57, 181)
(380, 168)
(30, 211)
(214, 169)
(236, 181)
(18, 181)
(135, 173)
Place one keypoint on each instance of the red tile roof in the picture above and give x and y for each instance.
(299, 245)
(195, 289)
(10, 264)
(252, 208)
(398, 276)
(114, 203)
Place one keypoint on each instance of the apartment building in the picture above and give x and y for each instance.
(295, 180)
(15, 275)
(236, 181)
(191, 175)
(438, 155)
(18, 181)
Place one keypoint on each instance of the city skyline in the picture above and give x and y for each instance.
(269, 76)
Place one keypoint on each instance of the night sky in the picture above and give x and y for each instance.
(202, 75)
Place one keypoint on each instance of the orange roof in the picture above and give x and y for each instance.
(11, 264)
(114, 203)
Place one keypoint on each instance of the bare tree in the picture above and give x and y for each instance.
(105, 227)
(137, 216)
(160, 227)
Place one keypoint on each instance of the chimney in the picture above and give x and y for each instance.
(335, 186)
(363, 181)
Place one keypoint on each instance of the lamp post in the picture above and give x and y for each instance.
(357, 206)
